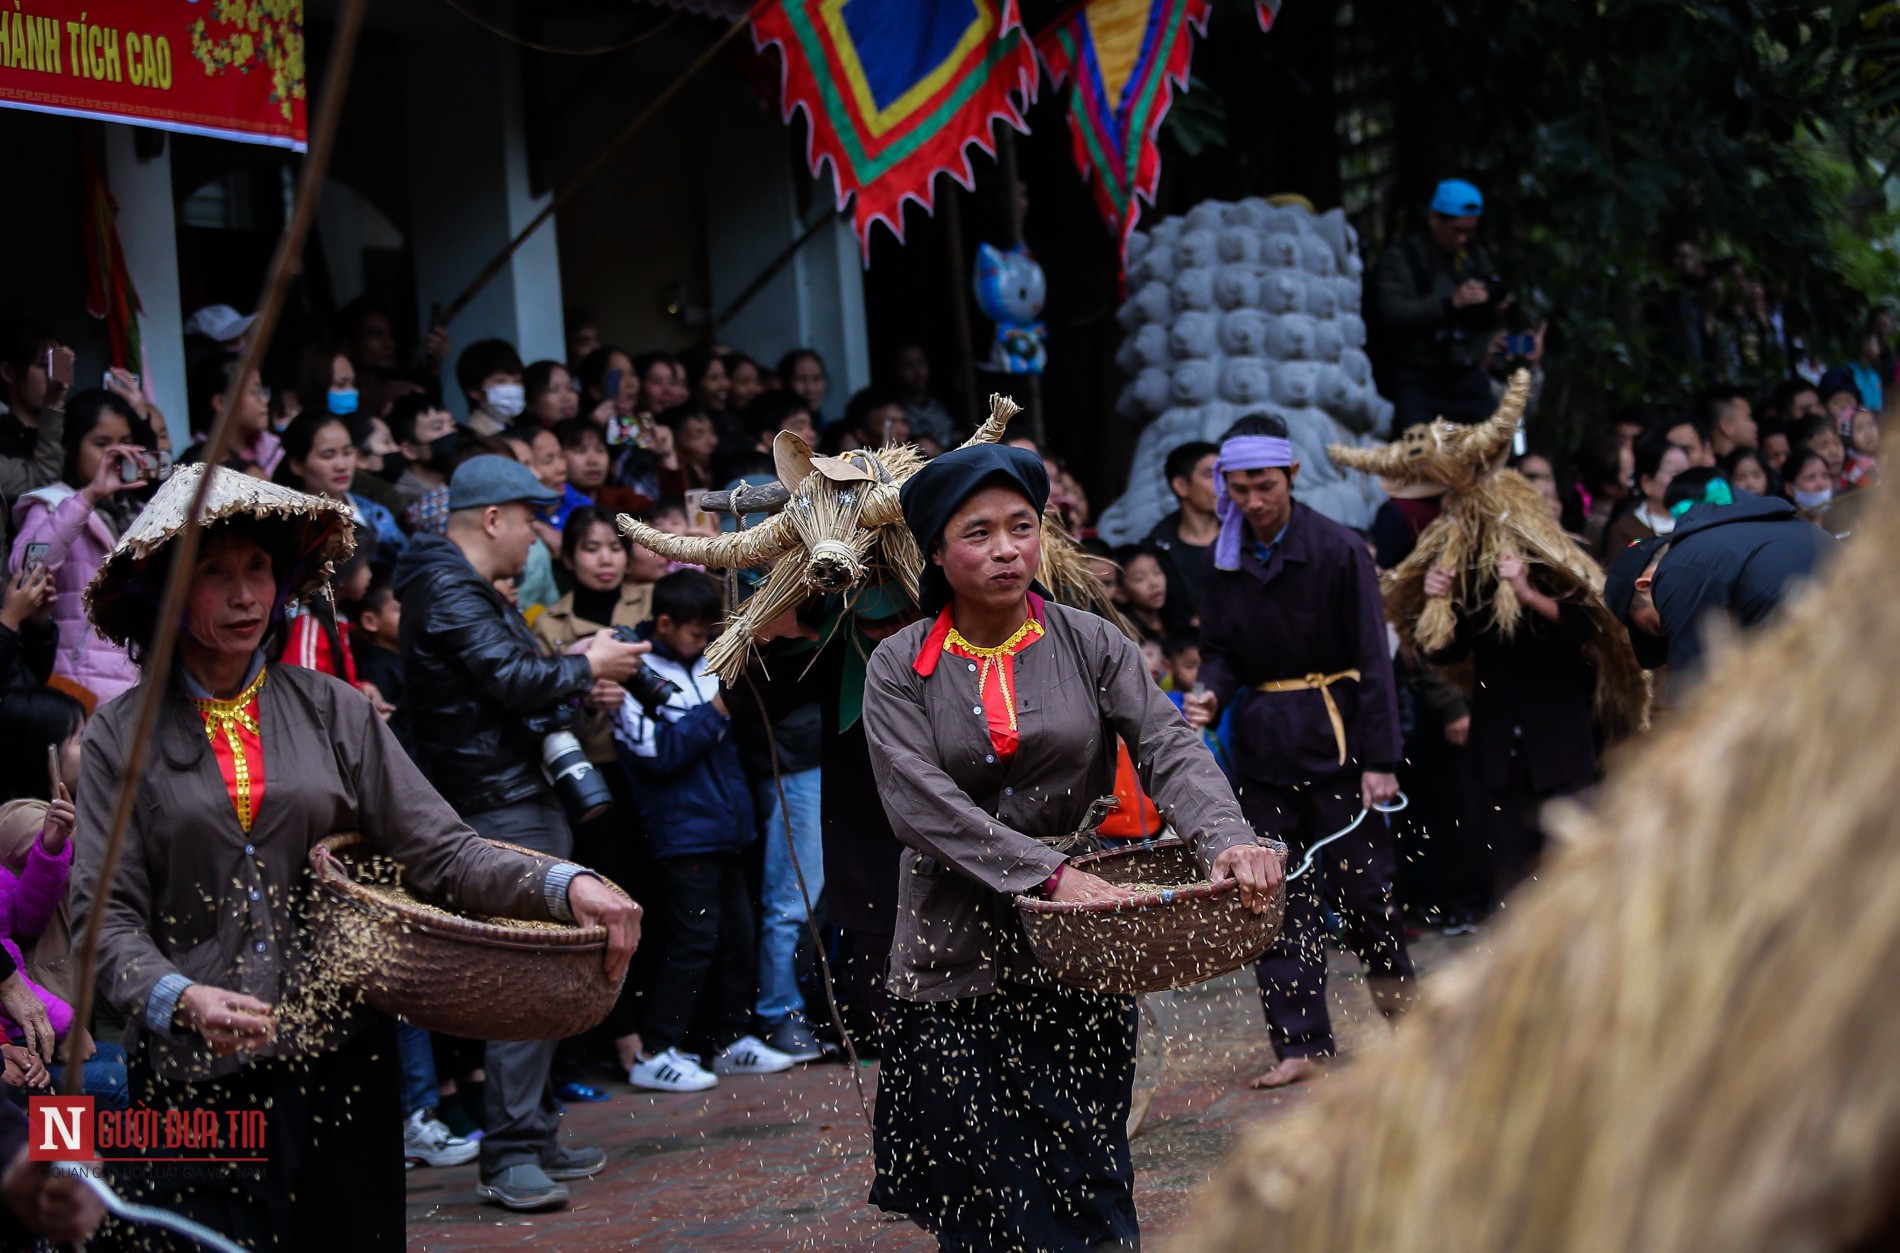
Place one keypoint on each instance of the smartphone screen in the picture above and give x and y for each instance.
(35, 560)
(59, 366)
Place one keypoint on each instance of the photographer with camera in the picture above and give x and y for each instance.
(70, 527)
(1437, 303)
(493, 720)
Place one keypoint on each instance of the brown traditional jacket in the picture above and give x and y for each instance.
(971, 822)
(198, 899)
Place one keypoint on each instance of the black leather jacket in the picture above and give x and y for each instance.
(471, 670)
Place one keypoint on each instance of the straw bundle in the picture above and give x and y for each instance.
(830, 525)
(1684, 1037)
(1490, 513)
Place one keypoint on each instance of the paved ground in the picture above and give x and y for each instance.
(783, 1161)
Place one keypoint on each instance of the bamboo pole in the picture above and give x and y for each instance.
(1013, 214)
(960, 305)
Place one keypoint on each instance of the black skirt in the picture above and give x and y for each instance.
(332, 1177)
(1002, 1120)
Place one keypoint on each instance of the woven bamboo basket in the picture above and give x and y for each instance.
(1157, 940)
(459, 976)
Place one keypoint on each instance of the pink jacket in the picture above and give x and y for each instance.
(27, 903)
(79, 544)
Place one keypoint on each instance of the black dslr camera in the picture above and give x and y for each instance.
(650, 690)
(582, 790)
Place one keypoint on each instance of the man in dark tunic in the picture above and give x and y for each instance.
(1293, 628)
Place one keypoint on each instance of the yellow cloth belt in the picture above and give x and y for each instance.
(1318, 683)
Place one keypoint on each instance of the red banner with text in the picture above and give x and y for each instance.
(228, 68)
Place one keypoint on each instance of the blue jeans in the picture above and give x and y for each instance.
(102, 1076)
(779, 998)
(419, 1087)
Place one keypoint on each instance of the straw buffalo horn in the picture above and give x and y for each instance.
(1443, 452)
(747, 498)
(1002, 409)
(737, 551)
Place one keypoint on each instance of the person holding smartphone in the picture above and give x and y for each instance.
(36, 373)
(78, 519)
(28, 638)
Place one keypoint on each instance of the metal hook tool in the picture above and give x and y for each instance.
(1392, 807)
(149, 1215)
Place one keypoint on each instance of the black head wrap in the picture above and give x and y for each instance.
(937, 491)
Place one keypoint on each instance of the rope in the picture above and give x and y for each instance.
(513, 38)
(1398, 803)
(811, 925)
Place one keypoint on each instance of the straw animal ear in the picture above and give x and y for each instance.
(791, 458)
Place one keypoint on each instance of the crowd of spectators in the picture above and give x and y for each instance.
(726, 972)
(725, 981)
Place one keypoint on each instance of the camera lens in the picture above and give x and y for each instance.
(582, 789)
(650, 690)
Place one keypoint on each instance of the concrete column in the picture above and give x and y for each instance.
(149, 235)
(469, 195)
(752, 216)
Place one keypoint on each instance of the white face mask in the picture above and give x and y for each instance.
(506, 400)
(1812, 500)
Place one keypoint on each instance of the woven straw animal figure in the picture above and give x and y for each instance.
(1491, 512)
(1683, 1035)
(837, 519)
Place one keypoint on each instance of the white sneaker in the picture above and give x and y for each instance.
(750, 1055)
(426, 1140)
(671, 1071)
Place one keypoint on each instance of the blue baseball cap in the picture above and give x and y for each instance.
(1456, 198)
(491, 480)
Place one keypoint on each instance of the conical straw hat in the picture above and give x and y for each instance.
(305, 535)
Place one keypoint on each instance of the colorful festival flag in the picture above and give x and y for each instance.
(1126, 58)
(1266, 11)
(110, 295)
(895, 91)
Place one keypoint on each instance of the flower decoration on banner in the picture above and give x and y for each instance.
(243, 35)
(1125, 58)
(895, 91)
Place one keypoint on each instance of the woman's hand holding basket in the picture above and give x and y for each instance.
(1259, 872)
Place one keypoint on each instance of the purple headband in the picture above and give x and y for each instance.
(1243, 452)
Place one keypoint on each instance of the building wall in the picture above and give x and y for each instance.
(633, 238)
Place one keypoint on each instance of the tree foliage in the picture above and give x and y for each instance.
(1604, 130)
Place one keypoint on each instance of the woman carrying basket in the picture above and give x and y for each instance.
(203, 941)
(993, 725)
